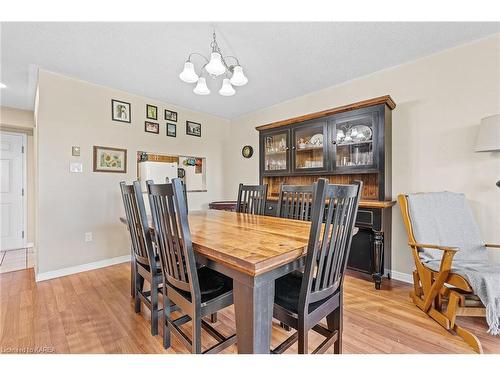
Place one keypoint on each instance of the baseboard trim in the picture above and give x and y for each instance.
(400, 276)
(81, 268)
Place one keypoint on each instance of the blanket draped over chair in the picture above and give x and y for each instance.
(446, 219)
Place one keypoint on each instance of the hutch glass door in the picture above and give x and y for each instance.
(309, 147)
(354, 139)
(275, 152)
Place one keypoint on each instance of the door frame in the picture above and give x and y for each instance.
(24, 182)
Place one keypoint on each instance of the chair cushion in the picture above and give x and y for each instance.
(445, 218)
(287, 291)
(212, 285)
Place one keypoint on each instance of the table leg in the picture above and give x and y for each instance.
(253, 306)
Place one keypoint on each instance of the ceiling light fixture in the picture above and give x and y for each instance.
(215, 67)
(2, 86)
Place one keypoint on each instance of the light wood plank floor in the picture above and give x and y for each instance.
(92, 312)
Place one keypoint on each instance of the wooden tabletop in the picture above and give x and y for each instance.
(251, 244)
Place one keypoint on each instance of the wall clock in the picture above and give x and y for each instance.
(247, 152)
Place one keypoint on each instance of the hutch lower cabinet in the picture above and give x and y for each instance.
(343, 144)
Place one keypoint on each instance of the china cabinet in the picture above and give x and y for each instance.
(343, 144)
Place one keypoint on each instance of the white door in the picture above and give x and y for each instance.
(12, 206)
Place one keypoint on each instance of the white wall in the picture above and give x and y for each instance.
(76, 113)
(440, 102)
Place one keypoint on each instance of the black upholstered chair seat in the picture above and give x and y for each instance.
(287, 292)
(212, 285)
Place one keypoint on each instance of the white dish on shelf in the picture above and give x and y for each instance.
(316, 140)
(361, 132)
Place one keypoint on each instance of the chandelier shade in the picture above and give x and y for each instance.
(226, 89)
(201, 87)
(215, 67)
(218, 67)
(238, 78)
(188, 75)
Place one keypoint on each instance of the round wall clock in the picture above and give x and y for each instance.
(247, 152)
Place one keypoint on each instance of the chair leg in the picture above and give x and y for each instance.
(166, 317)
(213, 318)
(303, 338)
(334, 322)
(285, 327)
(139, 284)
(154, 307)
(196, 339)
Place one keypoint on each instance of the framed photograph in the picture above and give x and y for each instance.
(109, 159)
(151, 127)
(170, 115)
(171, 130)
(151, 112)
(193, 128)
(120, 111)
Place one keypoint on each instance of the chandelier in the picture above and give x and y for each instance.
(216, 67)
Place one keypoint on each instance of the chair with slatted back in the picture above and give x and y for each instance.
(145, 264)
(198, 292)
(302, 300)
(252, 199)
(295, 202)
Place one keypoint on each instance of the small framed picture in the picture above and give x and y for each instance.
(120, 111)
(171, 130)
(193, 128)
(110, 159)
(151, 127)
(170, 115)
(151, 112)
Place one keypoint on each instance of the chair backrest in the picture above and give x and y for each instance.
(445, 218)
(184, 190)
(332, 223)
(138, 226)
(295, 202)
(170, 221)
(252, 199)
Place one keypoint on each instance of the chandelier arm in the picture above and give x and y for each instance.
(233, 57)
(197, 54)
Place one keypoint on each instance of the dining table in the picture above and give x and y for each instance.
(253, 250)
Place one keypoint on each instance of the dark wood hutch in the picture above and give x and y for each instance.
(343, 144)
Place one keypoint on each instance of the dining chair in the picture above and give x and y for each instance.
(252, 199)
(302, 300)
(145, 262)
(198, 292)
(295, 202)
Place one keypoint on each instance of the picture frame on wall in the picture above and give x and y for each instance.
(120, 111)
(151, 112)
(151, 127)
(110, 159)
(193, 128)
(170, 115)
(171, 129)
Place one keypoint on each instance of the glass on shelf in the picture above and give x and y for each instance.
(309, 147)
(275, 152)
(354, 141)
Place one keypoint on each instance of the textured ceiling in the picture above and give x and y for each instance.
(281, 60)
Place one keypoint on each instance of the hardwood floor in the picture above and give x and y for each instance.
(92, 312)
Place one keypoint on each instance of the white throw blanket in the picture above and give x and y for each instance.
(485, 282)
(445, 219)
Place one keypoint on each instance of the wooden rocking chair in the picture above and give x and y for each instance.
(443, 294)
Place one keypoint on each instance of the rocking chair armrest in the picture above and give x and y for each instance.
(492, 245)
(437, 247)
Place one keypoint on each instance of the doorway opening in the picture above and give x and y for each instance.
(15, 252)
